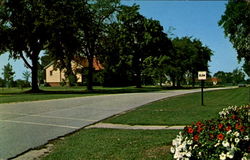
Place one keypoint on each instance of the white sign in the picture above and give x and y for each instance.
(202, 75)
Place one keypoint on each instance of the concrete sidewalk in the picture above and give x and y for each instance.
(134, 127)
(27, 125)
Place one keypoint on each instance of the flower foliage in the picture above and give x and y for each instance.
(224, 138)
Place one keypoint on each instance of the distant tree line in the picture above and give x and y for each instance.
(235, 77)
(133, 49)
(8, 78)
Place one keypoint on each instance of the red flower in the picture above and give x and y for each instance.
(199, 124)
(199, 129)
(190, 130)
(238, 126)
(228, 128)
(242, 128)
(220, 126)
(220, 136)
(196, 138)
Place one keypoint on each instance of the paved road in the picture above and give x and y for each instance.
(26, 125)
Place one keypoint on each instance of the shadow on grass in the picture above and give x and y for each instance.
(114, 90)
(106, 91)
(78, 90)
(98, 90)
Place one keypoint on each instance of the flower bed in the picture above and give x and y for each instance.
(224, 138)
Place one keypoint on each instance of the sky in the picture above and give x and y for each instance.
(198, 19)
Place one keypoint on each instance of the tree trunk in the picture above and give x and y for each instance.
(173, 80)
(69, 73)
(138, 79)
(138, 75)
(137, 66)
(34, 71)
(90, 73)
(178, 82)
(193, 80)
(160, 77)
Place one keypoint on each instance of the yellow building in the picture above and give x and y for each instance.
(54, 76)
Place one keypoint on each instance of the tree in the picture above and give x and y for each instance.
(34, 26)
(2, 82)
(26, 76)
(26, 32)
(238, 76)
(246, 68)
(199, 60)
(189, 56)
(8, 75)
(101, 13)
(235, 22)
(180, 59)
(66, 18)
(3, 32)
(157, 68)
(235, 77)
(117, 67)
(140, 37)
(225, 77)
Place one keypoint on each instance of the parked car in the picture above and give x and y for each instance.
(242, 85)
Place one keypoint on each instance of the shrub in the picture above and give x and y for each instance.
(63, 83)
(46, 84)
(224, 138)
(22, 84)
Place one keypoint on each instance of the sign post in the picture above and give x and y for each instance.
(202, 76)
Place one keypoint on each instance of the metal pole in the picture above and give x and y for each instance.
(202, 86)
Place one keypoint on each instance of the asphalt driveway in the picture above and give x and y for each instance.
(27, 125)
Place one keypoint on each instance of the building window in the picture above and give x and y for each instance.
(51, 73)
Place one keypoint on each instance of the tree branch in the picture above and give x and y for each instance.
(25, 61)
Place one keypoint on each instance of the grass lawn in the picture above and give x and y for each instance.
(8, 95)
(110, 144)
(17, 95)
(183, 110)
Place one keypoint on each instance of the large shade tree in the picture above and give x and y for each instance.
(189, 56)
(235, 22)
(199, 59)
(64, 20)
(117, 67)
(180, 59)
(32, 26)
(100, 14)
(140, 38)
(25, 28)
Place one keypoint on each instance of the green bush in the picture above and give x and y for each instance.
(21, 84)
(2, 82)
(46, 84)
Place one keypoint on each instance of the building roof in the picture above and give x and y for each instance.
(83, 62)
